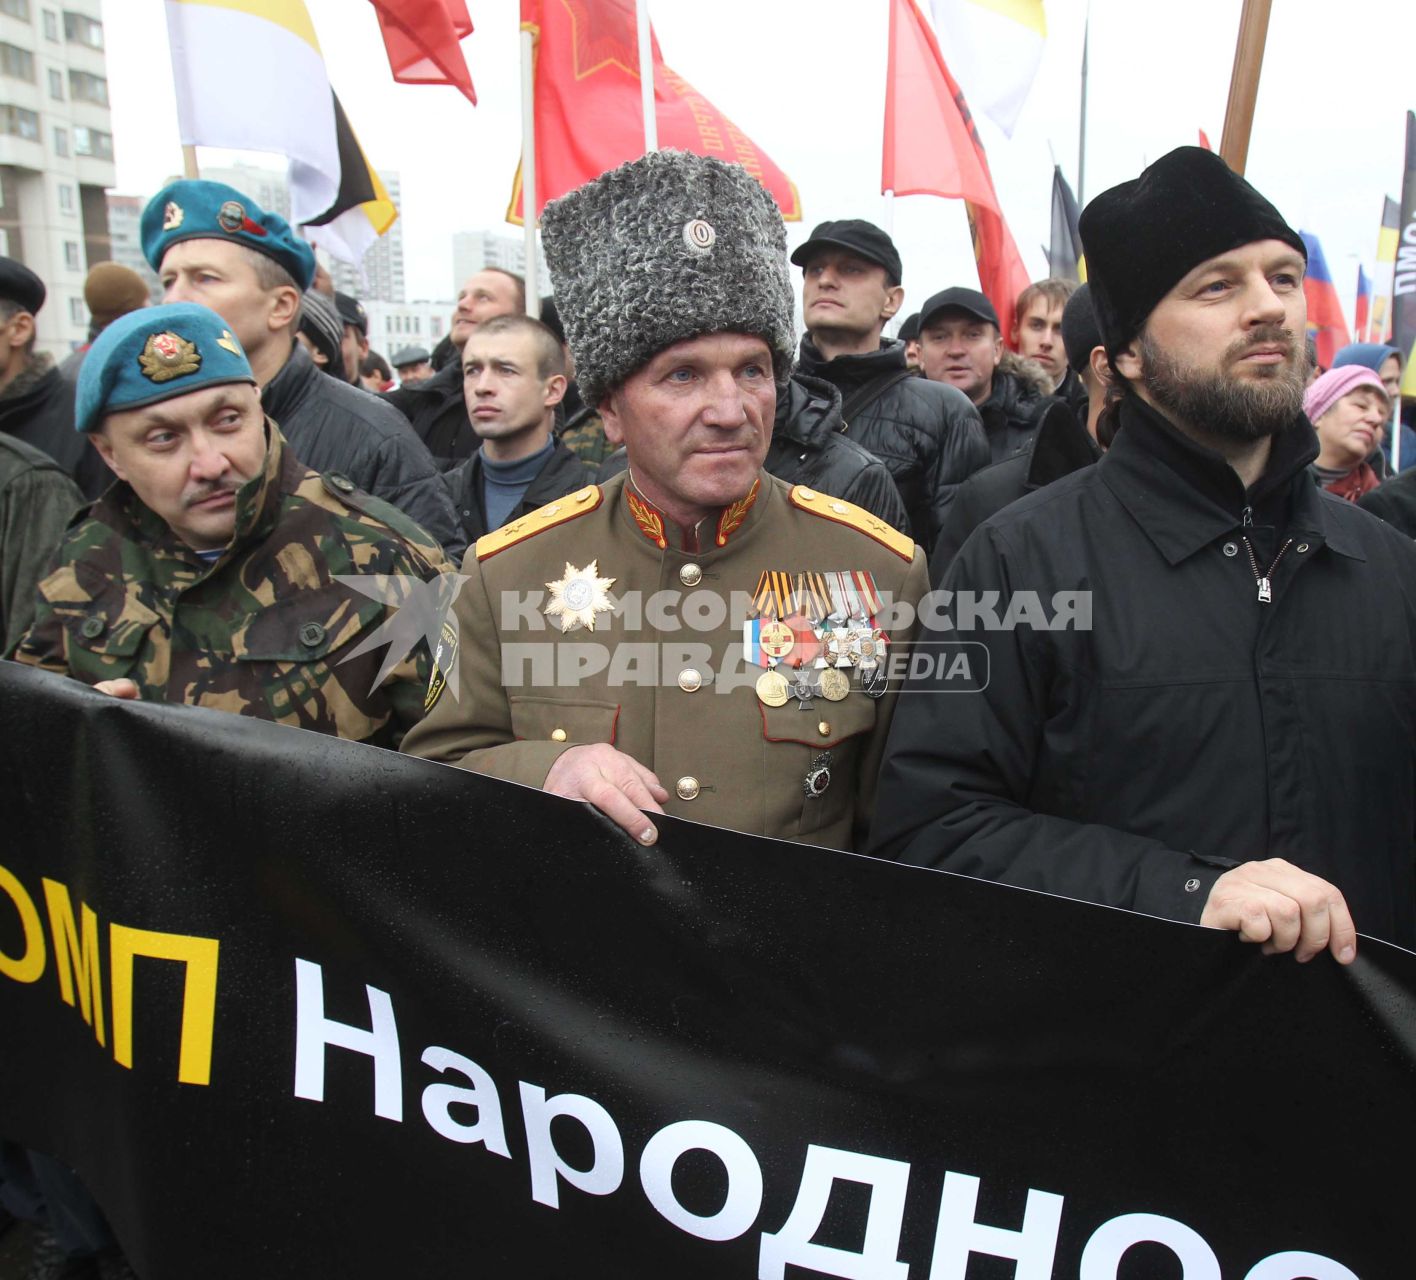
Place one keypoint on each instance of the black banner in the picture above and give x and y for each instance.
(297, 1007)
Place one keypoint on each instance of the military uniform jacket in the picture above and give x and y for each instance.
(664, 678)
(264, 631)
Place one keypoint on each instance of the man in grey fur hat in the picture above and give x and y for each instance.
(694, 637)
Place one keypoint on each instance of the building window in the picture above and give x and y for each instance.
(19, 122)
(16, 63)
(51, 25)
(71, 255)
(61, 142)
(84, 87)
(66, 197)
(56, 85)
(79, 28)
(93, 142)
(77, 313)
(16, 9)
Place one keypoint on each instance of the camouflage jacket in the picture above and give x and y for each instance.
(266, 630)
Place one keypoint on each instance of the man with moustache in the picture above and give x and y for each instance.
(513, 370)
(210, 573)
(1217, 741)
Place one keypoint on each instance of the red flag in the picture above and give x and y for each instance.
(932, 148)
(1362, 320)
(1326, 322)
(589, 115)
(1204, 141)
(423, 39)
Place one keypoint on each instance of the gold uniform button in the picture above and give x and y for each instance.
(687, 788)
(558, 735)
(690, 681)
(824, 729)
(690, 575)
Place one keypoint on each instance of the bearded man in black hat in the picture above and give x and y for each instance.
(1227, 739)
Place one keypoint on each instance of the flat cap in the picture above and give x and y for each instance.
(855, 235)
(20, 285)
(405, 356)
(195, 209)
(155, 354)
(668, 247)
(1143, 237)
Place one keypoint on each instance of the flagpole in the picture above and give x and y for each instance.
(1082, 129)
(189, 163)
(528, 170)
(889, 213)
(1244, 83)
(646, 77)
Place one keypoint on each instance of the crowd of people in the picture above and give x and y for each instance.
(1170, 556)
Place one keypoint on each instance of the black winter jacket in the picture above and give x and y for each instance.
(438, 414)
(808, 448)
(1015, 406)
(1190, 726)
(1394, 501)
(927, 434)
(1059, 447)
(38, 408)
(563, 474)
(332, 426)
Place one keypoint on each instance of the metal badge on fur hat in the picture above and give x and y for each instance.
(195, 209)
(155, 354)
(1145, 236)
(668, 247)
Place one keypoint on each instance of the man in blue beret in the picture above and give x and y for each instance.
(211, 244)
(210, 574)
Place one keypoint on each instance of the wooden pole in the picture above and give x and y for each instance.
(189, 163)
(1244, 83)
(528, 171)
(646, 77)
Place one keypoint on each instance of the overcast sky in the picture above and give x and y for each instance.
(806, 80)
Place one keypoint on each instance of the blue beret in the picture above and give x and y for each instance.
(155, 354)
(193, 209)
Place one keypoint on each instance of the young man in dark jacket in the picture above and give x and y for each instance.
(929, 437)
(1184, 629)
(212, 245)
(513, 378)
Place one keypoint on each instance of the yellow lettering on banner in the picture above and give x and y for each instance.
(29, 965)
(70, 954)
(198, 994)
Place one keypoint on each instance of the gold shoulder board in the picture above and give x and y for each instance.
(856, 517)
(579, 503)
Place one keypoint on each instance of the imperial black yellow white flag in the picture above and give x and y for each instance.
(250, 76)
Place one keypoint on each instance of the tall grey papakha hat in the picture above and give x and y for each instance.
(668, 247)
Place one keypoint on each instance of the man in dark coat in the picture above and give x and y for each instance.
(435, 407)
(929, 437)
(212, 245)
(514, 377)
(1063, 443)
(36, 400)
(1217, 724)
(961, 346)
(37, 501)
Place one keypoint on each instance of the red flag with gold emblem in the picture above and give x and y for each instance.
(589, 117)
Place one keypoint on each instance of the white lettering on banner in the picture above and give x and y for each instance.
(1101, 1259)
(743, 1201)
(1299, 1266)
(606, 1170)
(438, 1099)
(960, 1234)
(313, 1031)
(885, 1219)
(1405, 268)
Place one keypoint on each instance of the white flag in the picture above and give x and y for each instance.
(993, 48)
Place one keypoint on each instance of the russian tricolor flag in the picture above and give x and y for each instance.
(1362, 316)
(1325, 319)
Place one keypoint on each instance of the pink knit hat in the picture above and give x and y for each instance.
(1327, 390)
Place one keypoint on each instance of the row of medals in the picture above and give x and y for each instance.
(846, 645)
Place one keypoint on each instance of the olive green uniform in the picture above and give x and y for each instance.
(266, 629)
(665, 679)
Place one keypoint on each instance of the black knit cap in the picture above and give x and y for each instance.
(1143, 237)
(1080, 335)
(909, 331)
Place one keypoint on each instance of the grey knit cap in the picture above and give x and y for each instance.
(320, 323)
(668, 247)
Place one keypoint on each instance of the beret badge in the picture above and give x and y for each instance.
(167, 355)
(171, 216)
(231, 216)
